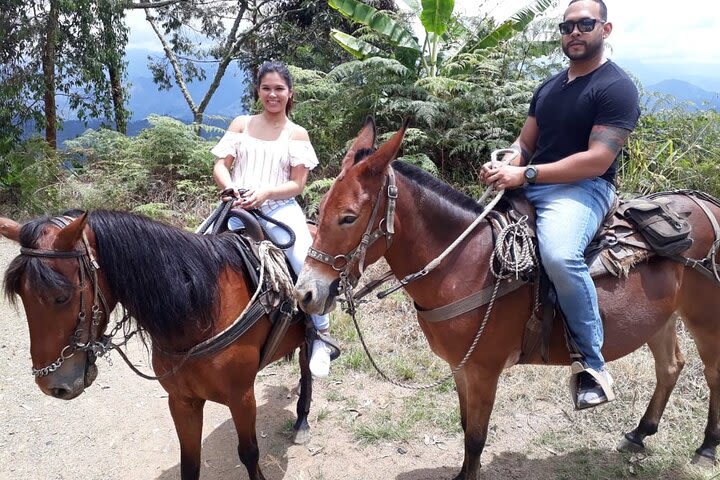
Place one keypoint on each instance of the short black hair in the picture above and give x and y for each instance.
(603, 8)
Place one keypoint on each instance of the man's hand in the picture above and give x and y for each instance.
(502, 176)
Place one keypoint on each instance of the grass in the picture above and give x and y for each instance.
(533, 414)
(385, 427)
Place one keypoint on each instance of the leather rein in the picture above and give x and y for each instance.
(343, 262)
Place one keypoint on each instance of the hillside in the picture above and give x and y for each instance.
(695, 97)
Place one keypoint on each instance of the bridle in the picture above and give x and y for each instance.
(97, 343)
(344, 262)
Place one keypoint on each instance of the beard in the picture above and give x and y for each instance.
(592, 48)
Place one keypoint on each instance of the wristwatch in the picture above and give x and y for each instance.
(530, 174)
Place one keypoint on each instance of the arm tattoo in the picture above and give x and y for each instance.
(612, 137)
(523, 153)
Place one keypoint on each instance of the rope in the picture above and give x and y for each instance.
(514, 253)
(453, 371)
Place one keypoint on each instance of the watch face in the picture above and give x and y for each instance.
(530, 174)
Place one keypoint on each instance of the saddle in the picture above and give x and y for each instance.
(249, 233)
(633, 231)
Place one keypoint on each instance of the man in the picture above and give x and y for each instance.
(568, 147)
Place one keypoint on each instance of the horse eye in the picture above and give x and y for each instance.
(347, 219)
(62, 299)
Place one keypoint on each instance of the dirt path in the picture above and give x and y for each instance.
(120, 429)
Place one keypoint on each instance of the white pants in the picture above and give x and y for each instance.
(292, 215)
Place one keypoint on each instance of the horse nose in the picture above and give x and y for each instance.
(61, 388)
(307, 298)
(62, 393)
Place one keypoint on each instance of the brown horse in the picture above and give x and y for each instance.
(180, 288)
(425, 216)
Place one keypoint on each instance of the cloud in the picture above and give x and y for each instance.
(141, 36)
(652, 31)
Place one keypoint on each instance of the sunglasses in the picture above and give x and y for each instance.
(584, 25)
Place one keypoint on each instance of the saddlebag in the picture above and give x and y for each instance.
(667, 232)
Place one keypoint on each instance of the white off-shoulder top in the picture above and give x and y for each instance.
(265, 163)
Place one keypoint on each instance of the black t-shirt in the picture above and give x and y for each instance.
(566, 112)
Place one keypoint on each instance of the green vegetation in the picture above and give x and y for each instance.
(466, 88)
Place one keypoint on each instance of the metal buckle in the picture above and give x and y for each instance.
(392, 191)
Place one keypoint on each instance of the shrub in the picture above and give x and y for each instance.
(29, 175)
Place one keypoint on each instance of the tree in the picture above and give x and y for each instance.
(68, 49)
(197, 42)
(177, 27)
(444, 37)
(57, 48)
(468, 94)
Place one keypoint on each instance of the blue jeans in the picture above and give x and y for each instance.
(568, 217)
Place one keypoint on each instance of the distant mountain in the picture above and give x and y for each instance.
(685, 92)
(145, 98)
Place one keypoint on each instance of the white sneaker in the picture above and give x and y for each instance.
(590, 393)
(320, 359)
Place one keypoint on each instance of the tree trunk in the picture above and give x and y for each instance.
(48, 66)
(113, 54)
(118, 99)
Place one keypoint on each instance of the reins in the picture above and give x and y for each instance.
(347, 285)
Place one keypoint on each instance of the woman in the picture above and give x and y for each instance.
(270, 157)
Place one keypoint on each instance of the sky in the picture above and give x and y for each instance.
(675, 38)
(660, 33)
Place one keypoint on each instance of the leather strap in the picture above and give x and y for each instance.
(467, 304)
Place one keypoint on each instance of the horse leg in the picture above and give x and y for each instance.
(187, 414)
(669, 362)
(478, 396)
(302, 428)
(706, 339)
(244, 413)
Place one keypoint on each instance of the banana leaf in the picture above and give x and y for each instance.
(360, 49)
(379, 21)
(506, 30)
(436, 15)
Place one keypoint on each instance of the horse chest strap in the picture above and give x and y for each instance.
(467, 304)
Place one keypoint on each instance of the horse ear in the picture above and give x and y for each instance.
(364, 140)
(10, 229)
(387, 152)
(70, 235)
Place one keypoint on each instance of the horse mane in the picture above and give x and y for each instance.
(439, 189)
(41, 278)
(165, 277)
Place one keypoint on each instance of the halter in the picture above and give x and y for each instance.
(97, 343)
(343, 262)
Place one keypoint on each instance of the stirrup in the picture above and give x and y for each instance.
(574, 383)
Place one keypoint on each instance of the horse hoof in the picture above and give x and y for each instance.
(703, 461)
(627, 445)
(301, 437)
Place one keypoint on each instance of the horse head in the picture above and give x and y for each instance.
(354, 214)
(56, 278)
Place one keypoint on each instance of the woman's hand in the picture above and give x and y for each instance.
(253, 198)
(502, 176)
